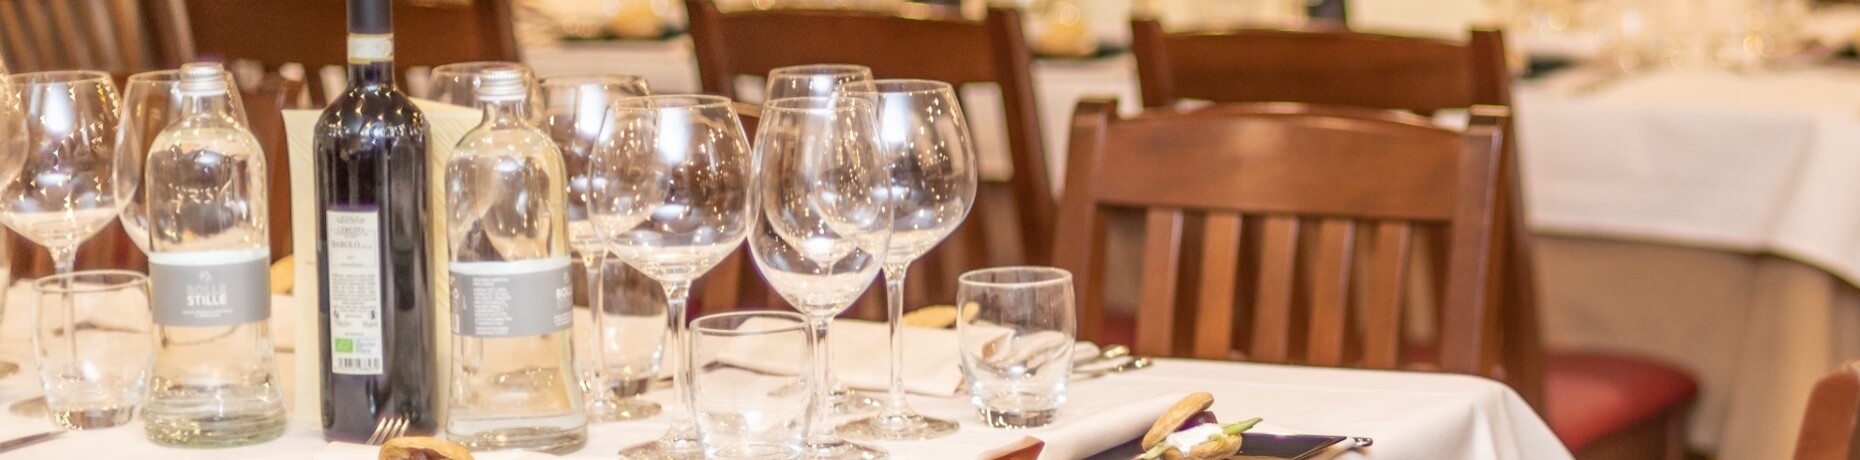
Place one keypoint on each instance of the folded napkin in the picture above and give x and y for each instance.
(862, 353)
(1083, 437)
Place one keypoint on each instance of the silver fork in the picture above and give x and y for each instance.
(388, 427)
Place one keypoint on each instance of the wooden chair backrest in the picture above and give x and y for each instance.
(111, 36)
(953, 50)
(1831, 427)
(1349, 179)
(1332, 65)
(431, 33)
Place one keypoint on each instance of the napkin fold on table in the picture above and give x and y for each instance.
(1087, 436)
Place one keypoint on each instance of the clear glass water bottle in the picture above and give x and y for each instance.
(215, 380)
(513, 380)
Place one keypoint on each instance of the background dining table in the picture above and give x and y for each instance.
(1409, 415)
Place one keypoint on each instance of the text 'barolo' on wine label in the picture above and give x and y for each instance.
(211, 288)
(511, 299)
(354, 291)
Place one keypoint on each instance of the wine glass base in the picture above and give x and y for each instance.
(843, 401)
(622, 410)
(8, 369)
(670, 447)
(899, 427)
(842, 450)
(30, 408)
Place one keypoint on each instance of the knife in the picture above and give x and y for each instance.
(17, 443)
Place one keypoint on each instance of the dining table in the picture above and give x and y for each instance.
(1408, 415)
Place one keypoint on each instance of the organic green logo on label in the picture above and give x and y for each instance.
(345, 345)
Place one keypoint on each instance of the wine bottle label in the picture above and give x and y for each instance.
(511, 299)
(354, 291)
(210, 288)
(366, 48)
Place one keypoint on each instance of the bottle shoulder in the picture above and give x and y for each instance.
(366, 111)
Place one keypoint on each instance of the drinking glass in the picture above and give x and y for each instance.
(92, 341)
(933, 166)
(825, 220)
(573, 110)
(1017, 350)
(749, 414)
(457, 83)
(622, 342)
(824, 80)
(813, 80)
(63, 193)
(151, 100)
(669, 192)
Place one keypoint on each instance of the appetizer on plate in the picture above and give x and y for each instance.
(1187, 431)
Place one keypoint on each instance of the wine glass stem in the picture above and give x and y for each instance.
(593, 266)
(676, 295)
(894, 314)
(820, 432)
(64, 261)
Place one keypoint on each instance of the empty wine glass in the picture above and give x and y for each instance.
(933, 173)
(457, 83)
(825, 220)
(12, 139)
(669, 193)
(151, 100)
(63, 193)
(813, 80)
(573, 110)
(824, 80)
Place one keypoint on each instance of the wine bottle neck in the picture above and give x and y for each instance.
(371, 59)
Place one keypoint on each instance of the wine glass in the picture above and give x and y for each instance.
(669, 192)
(12, 139)
(824, 226)
(813, 80)
(573, 110)
(151, 100)
(824, 80)
(932, 160)
(457, 83)
(63, 193)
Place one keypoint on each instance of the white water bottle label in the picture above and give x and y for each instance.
(511, 299)
(211, 288)
(354, 291)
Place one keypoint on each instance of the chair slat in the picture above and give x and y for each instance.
(1220, 260)
(1272, 315)
(71, 35)
(1387, 276)
(1330, 284)
(1162, 246)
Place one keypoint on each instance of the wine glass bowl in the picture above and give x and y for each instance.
(813, 80)
(63, 194)
(151, 101)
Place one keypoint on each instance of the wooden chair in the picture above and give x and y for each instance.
(431, 33)
(1336, 66)
(112, 36)
(957, 51)
(1353, 174)
(1831, 428)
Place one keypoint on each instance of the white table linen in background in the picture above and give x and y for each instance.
(1410, 415)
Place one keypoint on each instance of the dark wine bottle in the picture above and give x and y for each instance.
(375, 302)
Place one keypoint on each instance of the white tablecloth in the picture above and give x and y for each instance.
(1410, 415)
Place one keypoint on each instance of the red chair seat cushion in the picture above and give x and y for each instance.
(1591, 395)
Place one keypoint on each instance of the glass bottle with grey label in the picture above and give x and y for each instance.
(214, 383)
(513, 374)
